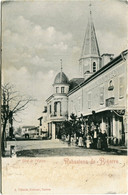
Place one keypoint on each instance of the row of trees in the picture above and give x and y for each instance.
(71, 127)
(12, 103)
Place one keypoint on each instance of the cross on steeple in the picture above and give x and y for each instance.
(90, 7)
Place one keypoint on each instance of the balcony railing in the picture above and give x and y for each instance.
(55, 115)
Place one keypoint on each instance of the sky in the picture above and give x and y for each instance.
(37, 34)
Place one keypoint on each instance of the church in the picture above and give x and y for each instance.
(100, 92)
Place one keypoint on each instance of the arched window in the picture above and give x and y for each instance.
(94, 66)
(57, 108)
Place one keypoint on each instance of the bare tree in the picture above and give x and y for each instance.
(12, 103)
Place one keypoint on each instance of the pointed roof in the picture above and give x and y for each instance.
(90, 45)
(61, 78)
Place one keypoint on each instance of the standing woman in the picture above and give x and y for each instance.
(80, 140)
(104, 140)
(99, 141)
(95, 137)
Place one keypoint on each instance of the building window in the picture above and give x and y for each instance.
(62, 89)
(60, 108)
(121, 87)
(55, 108)
(50, 109)
(101, 95)
(57, 89)
(94, 66)
(89, 100)
(111, 86)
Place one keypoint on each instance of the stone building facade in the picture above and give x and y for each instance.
(104, 93)
(57, 104)
(100, 92)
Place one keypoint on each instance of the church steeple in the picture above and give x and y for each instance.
(90, 55)
(90, 45)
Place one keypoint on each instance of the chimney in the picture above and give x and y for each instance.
(106, 58)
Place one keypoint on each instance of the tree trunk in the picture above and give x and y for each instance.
(2, 140)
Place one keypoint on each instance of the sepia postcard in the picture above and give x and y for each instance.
(64, 97)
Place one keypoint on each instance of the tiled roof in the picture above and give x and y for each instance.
(75, 82)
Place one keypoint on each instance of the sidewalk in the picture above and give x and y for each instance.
(118, 149)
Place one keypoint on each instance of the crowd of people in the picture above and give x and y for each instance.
(94, 138)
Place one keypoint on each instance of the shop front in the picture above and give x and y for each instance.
(110, 121)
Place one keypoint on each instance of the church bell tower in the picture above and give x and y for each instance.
(90, 60)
